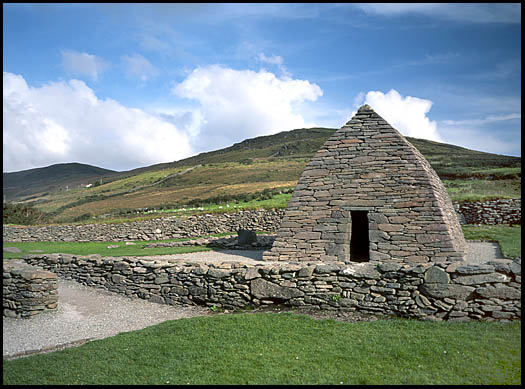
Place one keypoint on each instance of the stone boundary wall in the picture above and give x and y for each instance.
(28, 291)
(443, 291)
(489, 212)
(154, 229)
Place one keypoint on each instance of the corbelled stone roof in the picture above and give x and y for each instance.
(369, 166)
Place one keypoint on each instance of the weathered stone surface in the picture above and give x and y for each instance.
(27, 290)
(500, 292)
(246, 237)
(362, 270)
(389, 266)
(475, 269)
(446, 290)
(117, 278)
(481, 279)
(218, 273)
(436, 275)
(31, 274)
(251, 273)
(263, 289)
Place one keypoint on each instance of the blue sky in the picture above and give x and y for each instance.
(122, 86)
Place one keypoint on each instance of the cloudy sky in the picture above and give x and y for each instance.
(122, 86)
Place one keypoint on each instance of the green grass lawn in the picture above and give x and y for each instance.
(285, 348)
(87, 248)
(508, 237)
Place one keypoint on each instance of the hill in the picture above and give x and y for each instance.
(256, 168)
(37, 181)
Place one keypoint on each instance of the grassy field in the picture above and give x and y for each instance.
(482, 189)
(250, 167)
(104, 207)
(101, 248)
(198, 185)
(509, 238)
(285, 348)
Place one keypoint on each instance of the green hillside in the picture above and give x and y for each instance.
(27, 183)
(255, 169)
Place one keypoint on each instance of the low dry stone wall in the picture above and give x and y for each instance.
(27, 290)
(491, 212)
(444, 291)
(155, 229)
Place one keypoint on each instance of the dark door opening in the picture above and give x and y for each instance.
(359, 242)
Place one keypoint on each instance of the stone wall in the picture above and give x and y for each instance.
(488, 212)
(27, 290)
(504, 211)
(154, 229)
(444, 291)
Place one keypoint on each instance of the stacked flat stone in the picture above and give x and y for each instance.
(502, 211)
(155, 229)
(367, 165)
(457, 291)
(27, 291)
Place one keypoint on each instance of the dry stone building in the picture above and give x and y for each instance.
(369, 195)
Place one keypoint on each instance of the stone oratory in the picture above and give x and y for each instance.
(368, 195)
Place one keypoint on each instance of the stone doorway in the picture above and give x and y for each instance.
(359, 240)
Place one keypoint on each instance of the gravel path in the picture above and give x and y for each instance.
(89, 313)
(85, 313)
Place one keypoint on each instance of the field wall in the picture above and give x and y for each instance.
(444, 291)
(27, 290)
(491, 212)
(154, 229)
(488, 212)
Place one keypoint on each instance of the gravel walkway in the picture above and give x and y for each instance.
(86, 313)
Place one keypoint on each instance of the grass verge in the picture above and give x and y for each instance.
(87, 248)
(508, 237)
(285, 348)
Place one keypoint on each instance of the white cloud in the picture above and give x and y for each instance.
(490, 140)
(464, 12)
(138, 67)
(240, 104)
(488, 119)
(499, 134)
(83, 64)
(275, 60)
(65, 122)
(407, 114)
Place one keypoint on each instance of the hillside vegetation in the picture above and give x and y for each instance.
(253, 170)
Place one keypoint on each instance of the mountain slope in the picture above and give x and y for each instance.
(251, 167)
(37, 181)
(299, 143)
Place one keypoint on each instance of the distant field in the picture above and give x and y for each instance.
(247, 172)
(482, 189)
